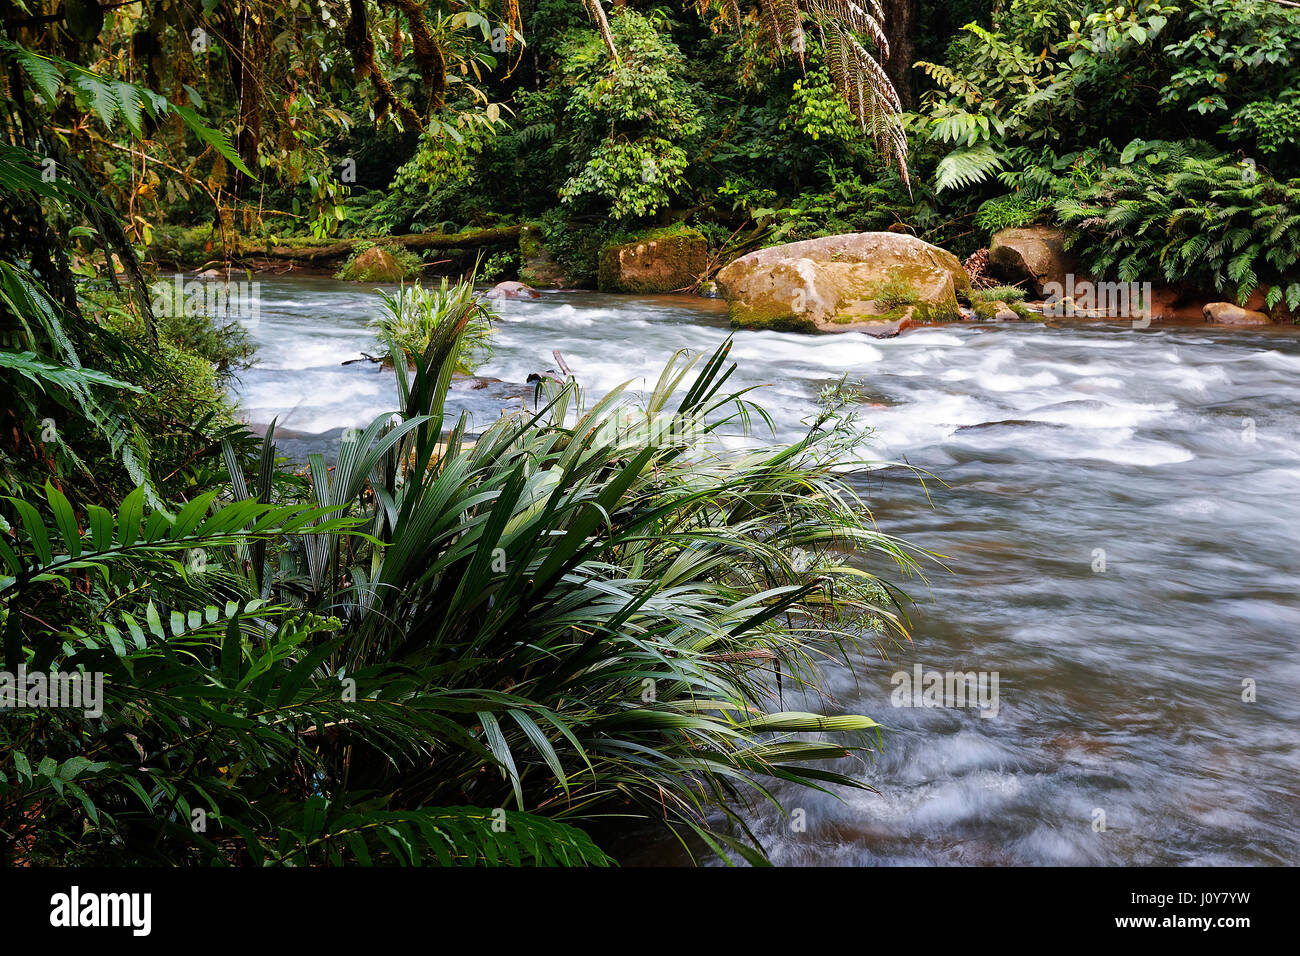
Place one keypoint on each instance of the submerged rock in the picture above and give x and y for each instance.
(666, 260)
(1033, 255)
(876, 282)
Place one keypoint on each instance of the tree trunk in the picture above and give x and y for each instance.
(900, 28)
(414, 241)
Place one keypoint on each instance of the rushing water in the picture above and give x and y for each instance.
(1171, 455)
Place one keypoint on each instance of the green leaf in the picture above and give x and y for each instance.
(65, 519)
(214, 138)
(42, 71)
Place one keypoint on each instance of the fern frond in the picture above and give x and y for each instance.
(964, 167)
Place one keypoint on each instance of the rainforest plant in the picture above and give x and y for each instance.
(414, 313)
(589, 610)
(1180, 212)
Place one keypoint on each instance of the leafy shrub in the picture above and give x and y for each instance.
(415, 314)
(1186, 213)
(631, 120)
(499, 265)
(1010, 212)
(1009, 294)
(1236, 60)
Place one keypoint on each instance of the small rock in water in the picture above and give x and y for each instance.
(512, 290)
(1003, 313)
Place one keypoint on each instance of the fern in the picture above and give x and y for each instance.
(966, 166)
(1182, 212)
(75, 380)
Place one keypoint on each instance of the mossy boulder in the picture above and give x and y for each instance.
(998, 311)
(858, 282)
(1032, 256)
(664, 260)
(536, 266)
(376, 264)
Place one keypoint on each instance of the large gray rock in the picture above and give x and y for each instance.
(1032, 257)
(865, 281)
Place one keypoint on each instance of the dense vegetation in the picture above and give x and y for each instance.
(504, 647)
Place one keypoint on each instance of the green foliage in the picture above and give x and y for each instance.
(595, 616)
(109, 99)
(1027, 80)
(895, 292)
(1000, 89)
(818, 111)
(415, 314)
(576, 245)
(1010, 212)
(1275, 128)
(499, 265)
(1009, 294)
(1180, 211)
(1238, 60)
(405, 265)
(852, 201)
(631, 119)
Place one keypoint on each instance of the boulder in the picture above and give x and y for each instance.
(1033, 255)
(1225, 313)
(376, 264)
(873, 282)
(666, 260)
(996, 311)
(536, 267)
(512, 290)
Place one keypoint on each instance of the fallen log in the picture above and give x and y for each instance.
(414, 241)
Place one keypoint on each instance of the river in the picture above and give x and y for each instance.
(1119, 511)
